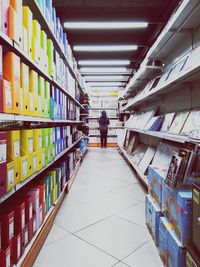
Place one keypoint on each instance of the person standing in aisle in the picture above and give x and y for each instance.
(103, 127)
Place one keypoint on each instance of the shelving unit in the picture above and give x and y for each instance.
(63, 104)
(39, 16)
(171, 89)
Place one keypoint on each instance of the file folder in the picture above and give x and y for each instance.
(27, 23)
(16, 248)
(13, 174)
(25, 167)
(19, 217)
(5, 22)
(3, 159)
(26, 142)
(37, 139)
(11, 72)
(15, 32)
(50, 56)
(5, 256)
(33, 80)
(25, 88)
(7, 226)
(13, 145)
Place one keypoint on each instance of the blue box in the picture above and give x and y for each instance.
(153, 214)
(155, 181)
(171, 250)
(177, 207)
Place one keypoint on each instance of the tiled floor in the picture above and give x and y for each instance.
(101, 222)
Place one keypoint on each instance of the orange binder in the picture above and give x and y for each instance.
(11, 72)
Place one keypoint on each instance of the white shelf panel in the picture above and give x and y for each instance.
(167, 136)
(142, 177)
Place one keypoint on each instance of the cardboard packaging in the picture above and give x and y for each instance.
(153, 214)
(177, 206)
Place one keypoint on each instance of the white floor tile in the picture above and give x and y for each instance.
(73, 252)
(75, 215)
(116, 236)
(105, 185)
(135, 214)
(55, 234)
(134, 191)
(121, 264)
(146, 254)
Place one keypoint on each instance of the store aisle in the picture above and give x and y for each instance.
(101, 222)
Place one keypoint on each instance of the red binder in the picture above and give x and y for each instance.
(16, 248)
(19, 217)
(7, 227)
(6, 256)
(3, 158)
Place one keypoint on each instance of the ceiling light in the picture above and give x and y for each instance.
(100, 70)
(127, 72)
(107, 88)
(118, 25)
(104, 62)
(106, 78)
(106, 84)
(104, 48)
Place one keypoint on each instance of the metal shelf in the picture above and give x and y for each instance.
(183, 22)
(45, 26)
(31, 63)
(162, 135)
(22, 184)
(142, 177)
(189, 75)
(15, 117)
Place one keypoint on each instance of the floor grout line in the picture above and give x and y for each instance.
(96, 247)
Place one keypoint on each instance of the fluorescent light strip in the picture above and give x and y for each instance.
(100, 70)
(106, 73)
(105, 25)
(107, 88)
(103, 62)
(106, 84)
(106, 78)
(104, 48)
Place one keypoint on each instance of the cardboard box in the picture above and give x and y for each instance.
(177, 206)
(155, 185)
(153, 214)
(171, 249)
(196, 216)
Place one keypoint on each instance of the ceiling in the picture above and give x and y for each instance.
(155, 12)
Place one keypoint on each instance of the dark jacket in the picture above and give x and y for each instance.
(103, 122)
